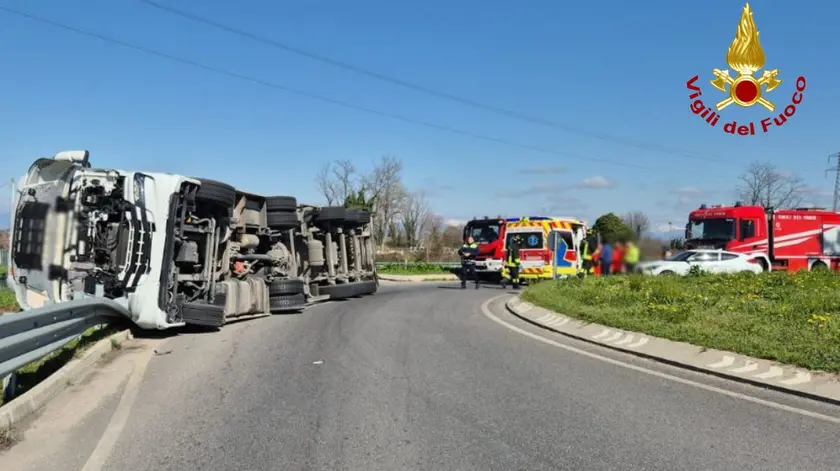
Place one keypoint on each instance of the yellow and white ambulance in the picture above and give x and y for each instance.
(538, 237)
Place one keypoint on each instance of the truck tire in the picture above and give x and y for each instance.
(285, 204)
(331, 214)
(352, 216)
(216, 193)
(285, 287)
(207, 315)
(281, 221)
(294, 302)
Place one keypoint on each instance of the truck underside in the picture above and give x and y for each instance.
(194, 251)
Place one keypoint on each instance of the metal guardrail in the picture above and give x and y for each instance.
(27, 336)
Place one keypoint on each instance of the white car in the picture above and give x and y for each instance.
(709, 260)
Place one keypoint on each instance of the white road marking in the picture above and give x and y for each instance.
(603, 334)
(800, 378)
(723, 363)
(749, 366)
(96, 460)
(613, 337)
(545, 317)
(676, 379)
(318, 362)
(525, 307)
(638, 343)
(625, 340)
(773, 372)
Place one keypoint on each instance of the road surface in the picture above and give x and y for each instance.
(417, 377)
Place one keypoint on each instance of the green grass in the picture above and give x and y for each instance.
(793, 318)
(398, 268)
(7, 300)
(34, 373)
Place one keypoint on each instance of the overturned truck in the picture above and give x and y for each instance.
(177, 250)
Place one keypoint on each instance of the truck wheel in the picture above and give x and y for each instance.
(281, 221)
(819, 266)
(331, 214)
(285, 287)
(352, 217)
(216, 193)
(294, 302)
(284, 204)
(206, 315)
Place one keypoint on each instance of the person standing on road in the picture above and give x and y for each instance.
(631, 257)
(606, 258)
(468, 252)
(512, 261)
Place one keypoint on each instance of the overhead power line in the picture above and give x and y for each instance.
(648, 146)
(265, 83)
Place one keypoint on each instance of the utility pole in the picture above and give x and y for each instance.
(836, 171)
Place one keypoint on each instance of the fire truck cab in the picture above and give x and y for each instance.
(778, 239)
(489, 234)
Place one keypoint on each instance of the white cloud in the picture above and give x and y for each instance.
(455, 222)
(665, 228)
(687, 190)
(538, 189)
(596, 183)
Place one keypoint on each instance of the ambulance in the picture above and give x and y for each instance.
(539, 237)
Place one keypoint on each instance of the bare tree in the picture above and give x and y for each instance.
(637, 221)
(336, 181)
(326, 184)
(384, 185)
(414, 215)
(763, 184)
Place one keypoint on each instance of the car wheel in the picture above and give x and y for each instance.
(666, 273)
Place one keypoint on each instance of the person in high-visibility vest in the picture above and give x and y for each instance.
(631, 257)
(512, 262)
(590, 246)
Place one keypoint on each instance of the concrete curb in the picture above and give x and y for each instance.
(820, 386)
(418, 278)
(22, 406)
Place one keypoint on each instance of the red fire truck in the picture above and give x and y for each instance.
(779, 239)
(489, 234)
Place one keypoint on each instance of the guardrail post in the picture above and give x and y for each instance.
(9, 387)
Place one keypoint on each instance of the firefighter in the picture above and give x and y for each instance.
(590, 246)
(468, 252)
(512, 262)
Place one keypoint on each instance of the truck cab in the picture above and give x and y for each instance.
(778, 239)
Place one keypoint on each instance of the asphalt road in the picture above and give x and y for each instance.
(418, 377)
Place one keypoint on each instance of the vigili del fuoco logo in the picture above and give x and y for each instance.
(746, 57)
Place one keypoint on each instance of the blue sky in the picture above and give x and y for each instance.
(617, 68)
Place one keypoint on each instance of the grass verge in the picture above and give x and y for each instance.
(793, 318)
(8, 303)
(397, 268)
(34, 373)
